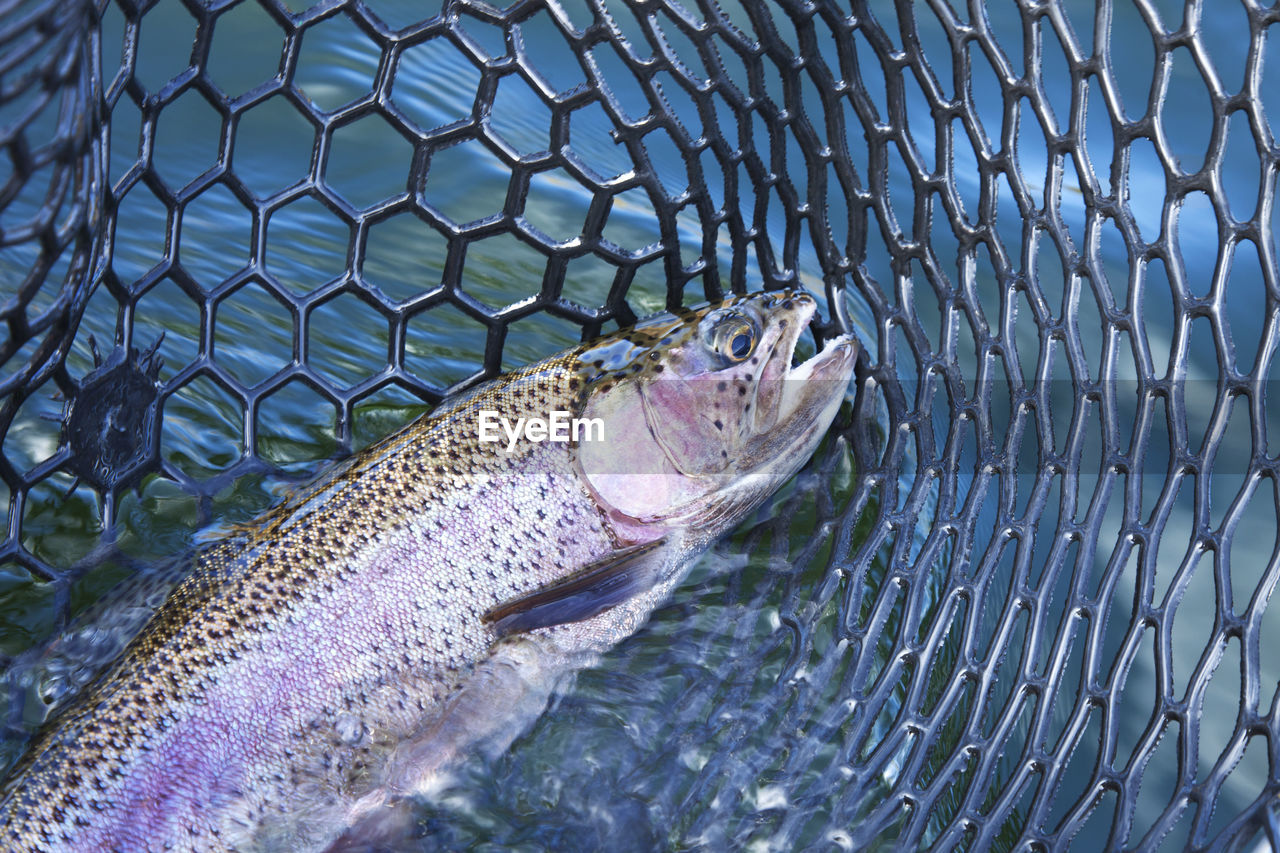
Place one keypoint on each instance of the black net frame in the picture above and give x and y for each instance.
(1002, 557)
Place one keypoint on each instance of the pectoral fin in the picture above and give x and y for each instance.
(601, 585)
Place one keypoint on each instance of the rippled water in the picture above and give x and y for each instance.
(621, 762)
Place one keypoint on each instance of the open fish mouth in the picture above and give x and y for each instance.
(789, 383)
(827, 362)
(785, 359)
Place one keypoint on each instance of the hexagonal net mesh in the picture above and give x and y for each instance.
(1019, 600)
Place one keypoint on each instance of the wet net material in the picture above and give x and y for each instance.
(1020, 601)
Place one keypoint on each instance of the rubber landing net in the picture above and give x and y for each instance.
(1029, 603)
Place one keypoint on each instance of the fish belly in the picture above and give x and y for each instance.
(282, 729)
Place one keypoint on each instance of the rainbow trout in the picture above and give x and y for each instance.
(323, 665)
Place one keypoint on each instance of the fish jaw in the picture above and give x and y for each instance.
(813, 390)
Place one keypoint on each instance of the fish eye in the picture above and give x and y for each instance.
(735, 338)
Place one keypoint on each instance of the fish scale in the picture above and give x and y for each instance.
(330, 657)
(317, 586)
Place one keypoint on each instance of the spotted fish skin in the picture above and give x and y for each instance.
(325, 659)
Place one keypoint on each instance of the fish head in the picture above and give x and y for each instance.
(703, 413)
